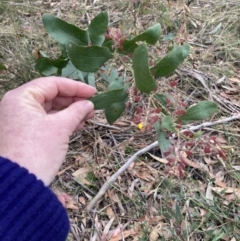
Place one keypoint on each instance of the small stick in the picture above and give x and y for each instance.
(114, 177)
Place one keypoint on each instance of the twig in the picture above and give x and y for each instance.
(74, 233)
(103, 125)
(114, 177)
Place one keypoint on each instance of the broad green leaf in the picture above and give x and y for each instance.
(128, 47)
(169, 36)
(108, 43)
(143, 79)
(200, 111)
(161, 98)
(171, 61)
(88, 59)
(89, 78)
(109, 78)
(64, 50)
(114, 111)
(117, 83)
(70, 71)
(151, 35)
(98, 28)
(163, 141)
(2, 67)
(167, 123)
(64, 32)
(46, 67)
(106, 99)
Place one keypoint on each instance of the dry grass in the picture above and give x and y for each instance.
(144, 203)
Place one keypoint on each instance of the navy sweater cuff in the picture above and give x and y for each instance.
(28, 209)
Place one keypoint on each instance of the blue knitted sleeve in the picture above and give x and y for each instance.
(29, 211)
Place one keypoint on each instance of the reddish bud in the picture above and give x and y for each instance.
(135, 91)
(189, 144)
(138, 110)
(182, 162)
(149, 128)
(189, 153)
(173, 83)
(222, 153)
(207, 149)
(154, 119)
(137, 98)
(170, 160)
(182, 104)
(122, 41)
(157, 110)
(107, 36)
(213, 138)
(137, 119)
(151, 62)
(180, 112)
(188, 134)
(181, 173)
(169, 102)
(179, 124)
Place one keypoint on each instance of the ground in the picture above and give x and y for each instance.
(150, 200)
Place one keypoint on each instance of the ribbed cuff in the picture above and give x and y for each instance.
(28, 209)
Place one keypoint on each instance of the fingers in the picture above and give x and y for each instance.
(59, 103)
(47, 88)
(80, 126)
(72, 118)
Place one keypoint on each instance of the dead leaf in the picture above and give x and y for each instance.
(209, 195)
(187, 161)
(227, 190)
(143, 171)
(116, 231)
(155, 232)
(203, 212)
(237, 168)
(125, 234)
(62, 171)
(110, 212)
(164, 161)
(218, 181)
(82, 200)
(235, 80)
(107, 228)
(81, 175)
(221, 140)
(67, 201)
(151, 220)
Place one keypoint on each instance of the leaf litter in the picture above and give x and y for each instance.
(141, 205)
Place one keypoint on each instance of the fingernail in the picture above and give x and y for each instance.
(88, 106)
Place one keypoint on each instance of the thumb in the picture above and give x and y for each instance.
(71, 117)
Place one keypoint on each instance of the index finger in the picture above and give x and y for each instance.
(47, 88)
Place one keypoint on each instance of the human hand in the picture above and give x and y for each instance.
(37, 119)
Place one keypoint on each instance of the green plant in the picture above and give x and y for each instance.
(85, 54)
(2, 67)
